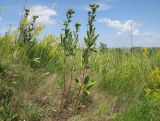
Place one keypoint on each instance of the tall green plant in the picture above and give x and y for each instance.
(26, 29)
(68, 44)
(90, 42)
(26, 40)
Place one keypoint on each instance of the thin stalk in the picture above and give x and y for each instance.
(83, 77)
(70, 85)
(64, 84)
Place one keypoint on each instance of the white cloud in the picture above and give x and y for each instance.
(7, 28)
(121, 27)
(153, 35)
(148, 39)
(45, 14)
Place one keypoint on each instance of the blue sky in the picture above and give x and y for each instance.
(114, 19)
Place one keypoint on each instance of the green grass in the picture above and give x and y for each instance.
(118, 94)
(141, 111)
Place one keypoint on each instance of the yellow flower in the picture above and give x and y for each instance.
(155, 76)
(147, 91)
(158, 54)
(156, 95)
(145, 51)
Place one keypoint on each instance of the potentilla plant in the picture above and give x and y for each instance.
(90, 42)
(68, 44)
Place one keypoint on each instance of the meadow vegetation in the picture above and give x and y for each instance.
(54, 79)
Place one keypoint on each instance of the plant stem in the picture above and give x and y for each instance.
(83, 77)
(64, 85)
(72, 73)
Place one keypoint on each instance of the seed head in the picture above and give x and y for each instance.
(77, 24)
(70, 12)
(94, 6)
(27, 10)
(35, 17)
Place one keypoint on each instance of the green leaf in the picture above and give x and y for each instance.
(76, 80)
(86, 80)
(89, 85)
(60, 83)
(94, 50)
(87, 92)
(37, 60)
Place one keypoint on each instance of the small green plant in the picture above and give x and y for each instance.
(2, 67)
(87, 84)
(102, 109)
(6, 113)
(34, 113)
(103, 47)
(152, 88)
(141, 111)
